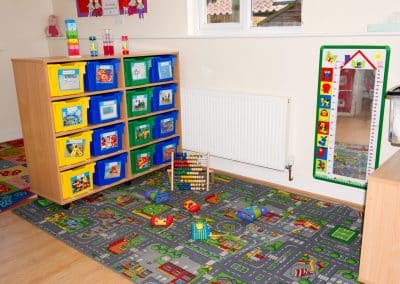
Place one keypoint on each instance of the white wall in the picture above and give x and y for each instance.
(23, 23)
(286, 65)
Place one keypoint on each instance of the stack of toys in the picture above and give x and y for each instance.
(72, 38)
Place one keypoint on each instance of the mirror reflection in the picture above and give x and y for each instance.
(351, 88)
(353, 125)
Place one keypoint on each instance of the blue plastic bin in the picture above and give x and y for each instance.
(163, 150)
(162, 68)
(165, 124)
(104, 108)
(107, 140)
(163, 97)
(110, 170)
(101, 75)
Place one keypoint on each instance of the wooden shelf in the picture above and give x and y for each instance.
(380, 248)
(36, 114)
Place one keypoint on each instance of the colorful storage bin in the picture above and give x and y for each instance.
(104, 108)
(141, 131)
(77, 181)
(162, 68)
(101, 75)
(70, 114)
(164, 149)
(165, 124)
(142, 159)
(66, 78)
(74, 148)
(137, 71)
(107, 140)
(139, 101)
(163, 97)
(110, 170)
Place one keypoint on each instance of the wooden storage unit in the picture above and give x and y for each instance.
(37, 121)
(380, 250)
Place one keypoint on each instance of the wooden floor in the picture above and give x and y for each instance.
(29, 255)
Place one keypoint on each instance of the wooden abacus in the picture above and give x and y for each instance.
(190, 171)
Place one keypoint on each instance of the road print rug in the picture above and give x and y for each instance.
(14, 180)
(299, 240)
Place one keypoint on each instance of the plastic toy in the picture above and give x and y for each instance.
(159, 221)
(191, 206)
(200, 231)
(158, 197)
(250, 214)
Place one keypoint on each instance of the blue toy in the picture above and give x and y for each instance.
(158, 197)
(200, 231)
(250, 214)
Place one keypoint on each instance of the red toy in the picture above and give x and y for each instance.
(191, 206)
(165, 222)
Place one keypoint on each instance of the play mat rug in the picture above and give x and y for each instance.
(351, 160)
(299, 239)
(14, 182)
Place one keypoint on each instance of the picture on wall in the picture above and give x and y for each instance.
(351, 90)
(98, 8)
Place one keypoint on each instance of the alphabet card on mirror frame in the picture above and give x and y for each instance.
(350, 106)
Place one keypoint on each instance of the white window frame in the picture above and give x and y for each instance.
(198, 25)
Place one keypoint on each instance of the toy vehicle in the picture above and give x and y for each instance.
(249, 214)
(158, 197)
(191, 206)
(159, 221)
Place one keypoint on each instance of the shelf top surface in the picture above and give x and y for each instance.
(389, 170)
(57, 59)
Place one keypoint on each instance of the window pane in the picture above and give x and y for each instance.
(268, 13)
(223, 11)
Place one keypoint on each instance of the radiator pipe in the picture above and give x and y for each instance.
(289, 167)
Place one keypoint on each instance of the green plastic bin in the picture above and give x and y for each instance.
(142, 159)
(141, 131)
(139, 101)
(137, 71)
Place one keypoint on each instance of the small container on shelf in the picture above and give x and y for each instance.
(165, 124)
(142, 159)
(66, 78)
(74, 148)
(110, 170)
(162, 68)
(70, 114)
(104, 108)
(163, 97)
(107, 140)
(141, 131)
(138, 101)
(101, 75)
(77, 181)
(164, 149)
(137, 71)
(125, 44)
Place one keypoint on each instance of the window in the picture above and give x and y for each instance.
(245, 16)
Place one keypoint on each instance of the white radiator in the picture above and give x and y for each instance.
(243, 127)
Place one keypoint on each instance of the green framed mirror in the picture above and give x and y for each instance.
(350, 105)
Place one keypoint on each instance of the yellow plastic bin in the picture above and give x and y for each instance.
(70, 114)
(77, 181)
(66, 78)
(74, 148)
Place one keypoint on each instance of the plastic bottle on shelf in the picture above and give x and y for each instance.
(93, 46)
(108, 43)
(125, 45)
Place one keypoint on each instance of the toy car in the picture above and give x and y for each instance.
(159, 221)
(158, 197)
(191, 206)
(249, 214)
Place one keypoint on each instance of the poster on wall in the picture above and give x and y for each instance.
(98, 8)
